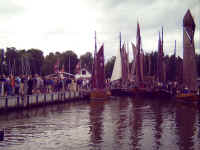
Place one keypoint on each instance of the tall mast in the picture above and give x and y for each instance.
(162, 38)
(120, 41)
(95, 39)
(69, 64)
(175, 49)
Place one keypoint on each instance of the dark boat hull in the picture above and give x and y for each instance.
(153, 94)
(121, 92)
(99, 94)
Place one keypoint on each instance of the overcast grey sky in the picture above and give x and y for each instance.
(59, 25)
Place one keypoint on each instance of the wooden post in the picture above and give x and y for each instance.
(27, 100)
(37, 99)
(22, 100)
(69, 94)
(45, 98)
(6, 103)
(18, 101)
(52, 97)
(64, 96)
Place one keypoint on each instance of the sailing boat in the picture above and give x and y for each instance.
(137, 68)
(189, 63)
(117, 74)
(98, 76)
(160, 91)
(119, 78)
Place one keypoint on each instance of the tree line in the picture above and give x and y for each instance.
(33, 61)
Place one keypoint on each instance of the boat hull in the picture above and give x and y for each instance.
(188, 97)
(99, 94)
(121, 92)
(153, 94)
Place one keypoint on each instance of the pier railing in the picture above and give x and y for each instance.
(10, 102)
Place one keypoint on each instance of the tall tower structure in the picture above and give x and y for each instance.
(189, 62)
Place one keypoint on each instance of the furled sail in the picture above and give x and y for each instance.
(161, 68)
(138, 46)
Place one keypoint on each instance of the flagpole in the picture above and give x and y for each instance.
(69, 64)
(120, 40)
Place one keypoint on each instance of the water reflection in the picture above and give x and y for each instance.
(119, 123)
(136, 123)
(157, 111)
(185, 121)
(122, 122)
(96, 122)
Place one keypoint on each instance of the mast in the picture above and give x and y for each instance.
(95, 39)
(138, 47)
(175, 49)
(128, 70)
(160, 64)
(94, 66)
(120, 41)
(69, 64)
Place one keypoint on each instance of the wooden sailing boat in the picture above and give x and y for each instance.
(189, 63)
(119, 78)
(139, 88)
(160, 90)
(99, 90)
(116, 78)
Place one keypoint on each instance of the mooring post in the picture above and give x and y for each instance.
(37, 99)
(17, 101)
(69, 94)
(64, 96)
(22, 100)
(6, 103)
(1, 135)
(27, 101)
(52, 97)
(45, 98)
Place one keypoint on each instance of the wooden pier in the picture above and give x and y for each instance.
(27, 101)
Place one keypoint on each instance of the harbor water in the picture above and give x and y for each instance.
(118, 123)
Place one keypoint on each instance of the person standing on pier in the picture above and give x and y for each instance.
(30, 85)
(17, 85)
(2, 85)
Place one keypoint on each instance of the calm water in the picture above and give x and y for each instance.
(115, 124)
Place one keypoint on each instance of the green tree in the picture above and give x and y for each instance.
(36, 60)
(69, 60)
(86, 61)
(109, 67)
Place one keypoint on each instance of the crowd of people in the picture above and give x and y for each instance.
(35, 84)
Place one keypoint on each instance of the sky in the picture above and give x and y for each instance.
(61, 25)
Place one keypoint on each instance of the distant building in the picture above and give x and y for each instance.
(83, 74)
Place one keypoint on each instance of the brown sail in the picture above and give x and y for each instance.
(100, 68)
(124, 59)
